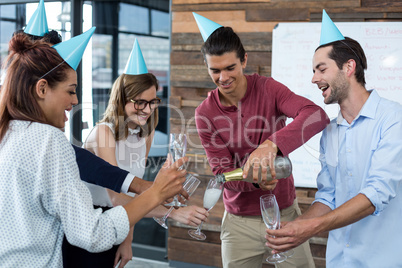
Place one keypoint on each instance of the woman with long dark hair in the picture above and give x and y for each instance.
(41, 194)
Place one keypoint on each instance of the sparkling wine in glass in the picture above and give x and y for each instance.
(190, 185)
(272, 218)
(211, 197)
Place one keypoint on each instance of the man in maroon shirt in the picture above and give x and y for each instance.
(242, 123)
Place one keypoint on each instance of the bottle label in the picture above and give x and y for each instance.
(234, 175)
(283, 169)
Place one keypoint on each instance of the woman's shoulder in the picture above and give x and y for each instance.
(46, 130)
(101, 134)
(45, 136)
(105, 125)
(40, 132)
(104, 128)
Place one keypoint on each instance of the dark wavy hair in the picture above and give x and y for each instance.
(344, 50)
(221, 41)
(28, 61)
(52, 36)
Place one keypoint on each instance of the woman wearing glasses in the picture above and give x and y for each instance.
(123, 138)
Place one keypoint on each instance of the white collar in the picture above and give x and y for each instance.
(134, 131)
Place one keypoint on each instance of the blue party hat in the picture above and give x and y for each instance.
(206, 26)
(329, 32)
(37, 25)
(136, 64)
(73, 49)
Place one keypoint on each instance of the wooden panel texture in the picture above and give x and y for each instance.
(190, 84)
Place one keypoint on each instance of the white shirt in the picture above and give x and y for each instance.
(130, 156)
(42, 197)
(130, 152)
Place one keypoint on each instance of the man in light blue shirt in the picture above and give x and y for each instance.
(359, 198)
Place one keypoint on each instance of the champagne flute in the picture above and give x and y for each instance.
(272, 218)
(211, 196)
(289, 253)
(177, 145)
(177, 149)
(190, 185)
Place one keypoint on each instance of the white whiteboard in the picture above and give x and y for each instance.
(293, 46)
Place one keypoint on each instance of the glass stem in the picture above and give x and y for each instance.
(199, 228)
(167, 213)
(175, 200)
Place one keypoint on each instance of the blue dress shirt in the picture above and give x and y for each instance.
(365, 157)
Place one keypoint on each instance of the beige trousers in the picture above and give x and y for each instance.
(243, 242)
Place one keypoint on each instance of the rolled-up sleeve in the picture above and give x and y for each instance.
(71, 202)
(385, 173)
(325, 183)
(119, 217)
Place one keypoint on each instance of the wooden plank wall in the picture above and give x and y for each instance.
(254, 21)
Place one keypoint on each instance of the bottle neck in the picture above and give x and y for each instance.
(220, 178)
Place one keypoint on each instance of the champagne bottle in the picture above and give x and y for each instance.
(283, 169)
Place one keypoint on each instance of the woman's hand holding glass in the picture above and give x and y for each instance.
(170, 179)
(190, 185)
(191, 215)
(211, 197)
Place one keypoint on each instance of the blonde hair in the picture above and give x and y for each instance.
(127, 87)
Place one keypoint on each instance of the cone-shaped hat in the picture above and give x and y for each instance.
(329, 32)
(37, 25)
(136, 64)
(206, 26)
(73, 49)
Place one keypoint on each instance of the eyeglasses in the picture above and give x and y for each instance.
(142, 104)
